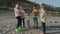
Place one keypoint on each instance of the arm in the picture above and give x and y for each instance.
(42, 14)
(32, 12)
(23, 12)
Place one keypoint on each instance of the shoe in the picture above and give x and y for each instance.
(18, 29)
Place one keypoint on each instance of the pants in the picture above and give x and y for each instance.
(28, 23)
(35, 21)
(19, 21)
(23, 21)
(43, 27)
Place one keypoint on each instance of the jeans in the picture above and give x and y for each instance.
(35, 19)
(28, 23)
(23, 21)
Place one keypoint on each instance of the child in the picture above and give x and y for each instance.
(27, 20)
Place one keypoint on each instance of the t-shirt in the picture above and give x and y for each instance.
(35, 12)
(27, 18)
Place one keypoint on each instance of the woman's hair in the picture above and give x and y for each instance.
(16, 5)
(35, 5)
(43, 6)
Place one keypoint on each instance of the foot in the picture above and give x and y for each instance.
(18, 29)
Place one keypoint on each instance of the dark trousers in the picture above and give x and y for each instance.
(23, 21)
(35, 21)
(19, 21)
(43, 27)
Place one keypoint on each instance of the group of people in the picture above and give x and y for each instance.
(21, 16)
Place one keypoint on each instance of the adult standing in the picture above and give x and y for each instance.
(23, 16)
(42, 16)
(18, 14)
(18, 17)
(35, 16)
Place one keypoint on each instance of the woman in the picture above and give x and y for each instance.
(42, 16)
(23, 16)
(18, 14)
(35, 16)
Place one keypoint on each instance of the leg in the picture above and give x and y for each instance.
(36, 22)
(18, 21)
(43, 27)
(23, 19)
(28, 23)
(18, 24)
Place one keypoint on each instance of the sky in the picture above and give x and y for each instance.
(55, 3)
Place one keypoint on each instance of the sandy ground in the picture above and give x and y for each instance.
(8, 23)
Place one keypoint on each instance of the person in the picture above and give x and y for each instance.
(35, 16)
(18, 17)
(43, 16)
(23, 16)
(27, 18)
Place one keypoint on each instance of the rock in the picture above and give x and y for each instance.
(56, 22)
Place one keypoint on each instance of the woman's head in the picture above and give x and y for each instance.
(16, 5)
(35, 6)
(41, 5)
(20, 7)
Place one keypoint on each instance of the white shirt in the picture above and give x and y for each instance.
(27, 18)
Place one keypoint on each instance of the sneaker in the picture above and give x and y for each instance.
(18, 29)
